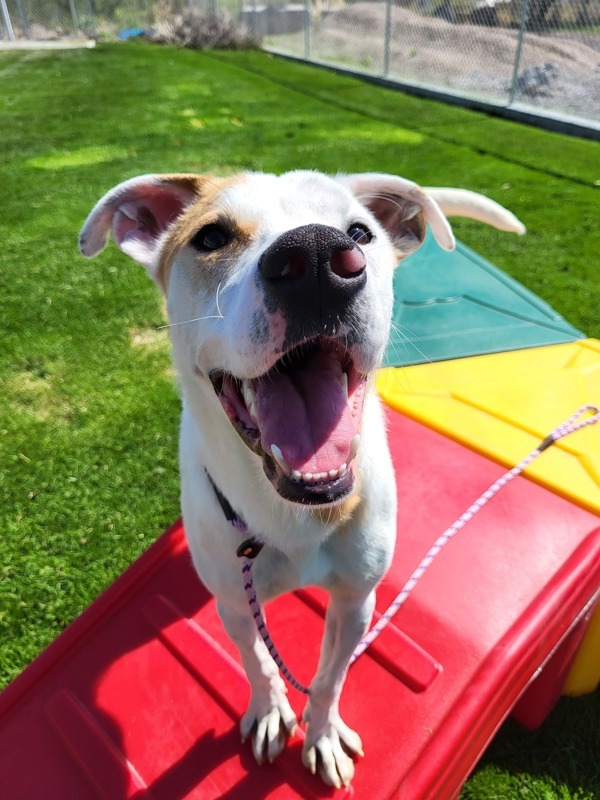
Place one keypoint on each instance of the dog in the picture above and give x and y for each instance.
(279, 299)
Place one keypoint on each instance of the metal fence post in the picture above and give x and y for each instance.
(23, 17)
(74, 15)
(7, 23)
(515, 75)
(90, 6)
(388, 37)
(307, 42)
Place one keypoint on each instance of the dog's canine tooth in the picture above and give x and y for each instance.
(248, 392)
(278, 456)
(249, 398)
(354, 448)
(344, 383)
(342, 470)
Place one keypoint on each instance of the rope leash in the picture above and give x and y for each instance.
(251, 546)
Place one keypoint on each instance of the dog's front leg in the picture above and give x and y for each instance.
(330, 744)
(269, 718)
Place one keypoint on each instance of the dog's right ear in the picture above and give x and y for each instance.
(402, 207)
(138, 212)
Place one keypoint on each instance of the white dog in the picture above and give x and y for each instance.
(279, 294)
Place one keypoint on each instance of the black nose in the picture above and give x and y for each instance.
(313, 272)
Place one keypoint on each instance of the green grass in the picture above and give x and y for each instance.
(88, 427)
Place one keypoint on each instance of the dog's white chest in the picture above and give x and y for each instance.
(316, 570)
(276, 574)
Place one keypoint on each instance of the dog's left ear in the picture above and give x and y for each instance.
(402, 207)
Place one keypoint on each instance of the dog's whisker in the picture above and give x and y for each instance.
(401, 342)
(401, 371)
(398, 328)
(218, 315)
(404, 342)
(189, 321)
(376, 196)
(412, 343)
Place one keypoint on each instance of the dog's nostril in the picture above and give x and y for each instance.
(283, 264)
(348, 263)
(295, 266)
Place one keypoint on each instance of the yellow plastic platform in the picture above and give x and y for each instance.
(503, 405)
(584, 676)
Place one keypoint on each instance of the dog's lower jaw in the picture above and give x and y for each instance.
(316, 495)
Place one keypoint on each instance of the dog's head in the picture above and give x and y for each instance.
(279, 294)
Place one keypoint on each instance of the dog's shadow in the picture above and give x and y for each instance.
(118, 675)
(199, 762)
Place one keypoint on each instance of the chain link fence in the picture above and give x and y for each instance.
(542, 54)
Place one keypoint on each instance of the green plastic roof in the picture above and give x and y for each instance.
(452, 305)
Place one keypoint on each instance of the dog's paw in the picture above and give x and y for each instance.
(329, 750)
(270, 722)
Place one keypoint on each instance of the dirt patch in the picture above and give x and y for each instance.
(34, 396)
(153, 339)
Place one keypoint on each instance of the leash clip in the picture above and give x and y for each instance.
(249, 548)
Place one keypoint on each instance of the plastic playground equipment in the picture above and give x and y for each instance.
(141, 696)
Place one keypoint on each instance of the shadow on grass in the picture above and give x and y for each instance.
(564, 754)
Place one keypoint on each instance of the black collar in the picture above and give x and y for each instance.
(230, 514)
(251, 546)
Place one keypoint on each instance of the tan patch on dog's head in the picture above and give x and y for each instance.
(208, 209)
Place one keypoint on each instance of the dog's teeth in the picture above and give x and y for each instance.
(278, 456)
(344, 384)
(315, 477)
(248, 392)
(354, 447)
(249, 398)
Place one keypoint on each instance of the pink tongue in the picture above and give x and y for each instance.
(305, 413)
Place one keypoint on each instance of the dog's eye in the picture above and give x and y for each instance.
(211, 237)
(360, 233)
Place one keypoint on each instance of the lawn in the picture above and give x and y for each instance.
(88, 427)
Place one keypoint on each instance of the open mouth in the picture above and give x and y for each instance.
(303, 417)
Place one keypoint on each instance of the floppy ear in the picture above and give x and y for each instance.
(138, 212)
(402, 207)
